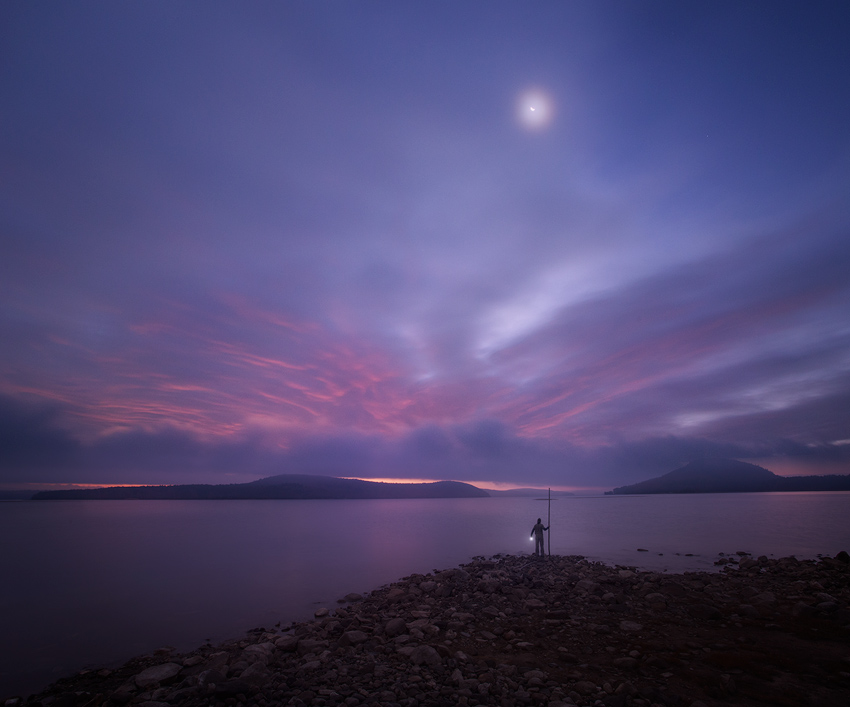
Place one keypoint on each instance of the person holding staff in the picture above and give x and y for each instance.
(537, 534)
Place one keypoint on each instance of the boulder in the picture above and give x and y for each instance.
(287, 643)
(395, 627)
(157, 674)
(425, 654)
(353, 638)
(258, 652)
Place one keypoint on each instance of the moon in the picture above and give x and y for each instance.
(535, 109)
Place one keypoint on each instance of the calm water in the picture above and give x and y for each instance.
(97, 582)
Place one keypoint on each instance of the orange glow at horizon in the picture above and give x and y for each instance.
(484, 485)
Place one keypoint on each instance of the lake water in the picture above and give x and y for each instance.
(97, 582)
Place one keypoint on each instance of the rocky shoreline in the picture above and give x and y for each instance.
(512, 631)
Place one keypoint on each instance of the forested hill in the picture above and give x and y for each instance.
(284, 486)
(731, 476)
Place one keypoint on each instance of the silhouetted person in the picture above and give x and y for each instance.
(537, 534)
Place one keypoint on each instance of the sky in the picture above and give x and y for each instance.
(568, 244)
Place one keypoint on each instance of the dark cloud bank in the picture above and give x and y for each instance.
(35, 450)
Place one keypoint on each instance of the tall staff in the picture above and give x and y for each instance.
(549, 525)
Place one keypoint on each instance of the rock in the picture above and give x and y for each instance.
(255, 674)
(425, 654)
(353, 638)
(802, 610)
(210, 677)
(321, 613)
(705, 612)
(627, 663)
(749, 611)
(585, 687)
(287, 643)
(310, 645)
(630, 626)
(586, 585)
(233, 687)
(218, 660)
(259, 652)
(396, 595)
(157, 674)
(353, 597)
(395, 627)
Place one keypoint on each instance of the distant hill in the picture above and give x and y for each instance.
(284, 486)
(731, 476)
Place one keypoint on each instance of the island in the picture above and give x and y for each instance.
(731, 476)
(282, 486)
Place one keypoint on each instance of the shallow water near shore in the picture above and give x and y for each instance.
(96, 582)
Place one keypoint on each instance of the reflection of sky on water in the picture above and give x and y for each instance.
(100, 581)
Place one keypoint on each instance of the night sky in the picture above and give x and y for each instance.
(575, 244)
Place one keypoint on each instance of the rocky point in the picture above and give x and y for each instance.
(517, 630)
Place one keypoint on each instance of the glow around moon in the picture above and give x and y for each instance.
(534, 109)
